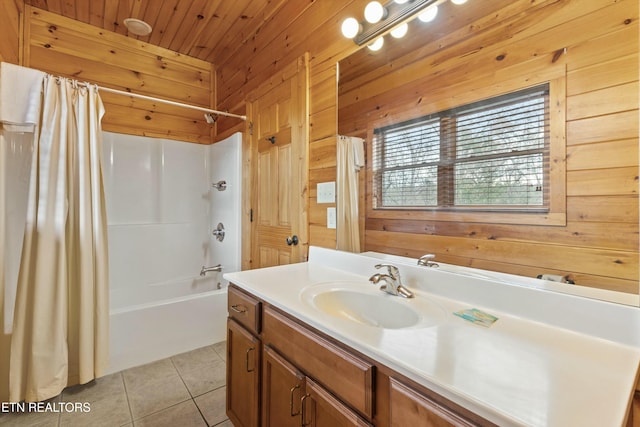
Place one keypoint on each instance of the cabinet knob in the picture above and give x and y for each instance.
(292, 240)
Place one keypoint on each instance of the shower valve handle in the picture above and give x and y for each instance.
(219, 232)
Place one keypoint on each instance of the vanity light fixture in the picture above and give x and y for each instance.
(374, 12)
(429, 14)
(389, 18)
(350, 28)
(400, 31)
(376, 45)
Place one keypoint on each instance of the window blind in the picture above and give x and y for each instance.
(488, 154)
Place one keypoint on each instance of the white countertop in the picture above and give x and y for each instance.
(532, 367)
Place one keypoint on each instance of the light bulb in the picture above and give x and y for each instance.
(350, 28)
(401, 1)
(377, 44)
(458, 1)
(429, 14)
(373, 12)
(400, 31)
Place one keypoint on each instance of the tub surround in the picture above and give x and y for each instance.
(550, 359)
(161, 209)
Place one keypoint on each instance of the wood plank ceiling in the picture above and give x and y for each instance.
(210, 30)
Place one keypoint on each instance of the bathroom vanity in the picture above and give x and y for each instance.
(316, 344)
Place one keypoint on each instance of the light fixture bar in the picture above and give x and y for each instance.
(396, 14)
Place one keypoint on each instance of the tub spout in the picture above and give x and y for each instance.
(205, 270)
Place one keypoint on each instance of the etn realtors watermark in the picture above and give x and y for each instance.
(6, 407)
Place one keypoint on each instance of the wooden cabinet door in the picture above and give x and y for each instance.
(348, 376)
(278, 113)
(321, 409)
(282, 389)
(243, 376)
(411, 408)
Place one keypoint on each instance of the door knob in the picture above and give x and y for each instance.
(293, 240)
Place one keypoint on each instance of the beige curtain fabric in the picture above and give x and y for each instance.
(350, 158)
(60, 331)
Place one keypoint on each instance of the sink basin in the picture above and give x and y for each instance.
(367, 309)
(365, 304)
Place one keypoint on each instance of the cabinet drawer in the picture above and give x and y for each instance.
(408, 407)
(244, 308)
(344, 374)
(320, 408)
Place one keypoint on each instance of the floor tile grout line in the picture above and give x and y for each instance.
(201, 414)
(169, 407)
(126, 395)
(188, 391)
(180, 376)
(196, 403)
(160, 410)
(209, 391)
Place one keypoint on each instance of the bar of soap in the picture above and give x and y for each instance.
(477, 316)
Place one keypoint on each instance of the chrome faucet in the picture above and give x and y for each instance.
(425, 261)
(391, 282)
(205, 270)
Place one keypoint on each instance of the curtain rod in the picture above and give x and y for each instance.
(176, 104)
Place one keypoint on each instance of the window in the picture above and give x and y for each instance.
(488, 155)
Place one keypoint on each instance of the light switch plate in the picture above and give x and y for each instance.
(326, 192)
(331, 218)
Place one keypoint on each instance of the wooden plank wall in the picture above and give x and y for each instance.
(599, 245)
(312, 27)
(9, 31)
(65, 47)
(602, 219)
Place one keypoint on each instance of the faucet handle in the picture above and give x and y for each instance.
(391, 269)
(425, 260)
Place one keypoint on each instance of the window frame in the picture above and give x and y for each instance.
(554, 214)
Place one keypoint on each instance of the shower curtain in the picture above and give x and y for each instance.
(60, 328)
(350, 158)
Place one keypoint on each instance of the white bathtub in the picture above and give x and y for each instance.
(152, 328)
(161, 210)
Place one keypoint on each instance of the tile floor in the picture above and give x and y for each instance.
(186, 390)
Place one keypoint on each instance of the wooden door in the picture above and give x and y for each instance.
(243, 376)
(282, 388)
(278, 115)
(321, 409)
